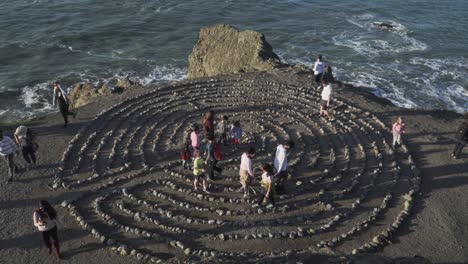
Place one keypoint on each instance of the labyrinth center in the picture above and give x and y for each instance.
(348, 191)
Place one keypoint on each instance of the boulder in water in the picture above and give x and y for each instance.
(223, 49)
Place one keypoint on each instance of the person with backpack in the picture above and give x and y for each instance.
(236, 134)
(281, 165)
(462, 139)
(199, 172)
(61, 98)
(221, 130)
(185, 155)
(7, 151)
(246, 170)
(267, 193)
(45, 219)
(319, 68)
(398, 128)
(213, 155)
(24, 138)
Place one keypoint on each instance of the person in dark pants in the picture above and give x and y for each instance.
(221, 130)
(212, 157)
(7, 151)
(61, 98)
(24, 138)
(45, 219)
(267, 194)
(208, 124)
(462, 139)
(319, 68)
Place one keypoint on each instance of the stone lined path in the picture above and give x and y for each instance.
(349, 192)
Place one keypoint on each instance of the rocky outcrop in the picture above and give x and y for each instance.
(83, 93)
(223, 49)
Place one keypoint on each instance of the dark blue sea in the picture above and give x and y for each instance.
(422, 63)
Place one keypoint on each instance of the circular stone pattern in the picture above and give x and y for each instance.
(348, 190)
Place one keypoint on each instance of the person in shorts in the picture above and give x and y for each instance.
(199, 172)
(246, 170)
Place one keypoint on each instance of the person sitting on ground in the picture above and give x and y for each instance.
(328, 74)
(45, 219)
(185, 155)
(246, 170)
(7, 151)
(208, 124)
(221, 130)
(267, 193)
(319, 68)
(24, 138)
(327, 99)
(213, 155)
(236, 134)
(194, 138)
(281, 165)
(462, 139)
(398, 128)
(61, 98)
(199, 172)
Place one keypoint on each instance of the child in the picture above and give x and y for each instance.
(199, 172)
(236, 134)
(267, 184)
(185, 155)
(221, 130)
(246, 170)
(194, 138)
(398, 128)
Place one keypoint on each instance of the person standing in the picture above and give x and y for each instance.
(462, 139)
(194, 138)
(208, 124)
(267, 193)
(398, 128)
(199, 172)
(246, 170)
(7, 151)
(236, 134)
(213, 155)
(61, 98)
(328, 74)
(327, 98)
(221, 130)
(185, 155)
(45, 219)
(24, 138)
(319, 68)
(281, 165)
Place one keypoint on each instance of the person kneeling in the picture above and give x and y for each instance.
(199, 172)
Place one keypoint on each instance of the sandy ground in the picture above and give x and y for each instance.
(437, 229)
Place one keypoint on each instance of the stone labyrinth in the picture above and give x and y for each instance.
(349, 192)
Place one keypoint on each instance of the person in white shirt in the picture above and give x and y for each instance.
(61, 98)
(327, 98)
(319, 68)
(45, 219)
(267, 182)
(281, 165)
(246, 170)
(7, 151)
(24, 139)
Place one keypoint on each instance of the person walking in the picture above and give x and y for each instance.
(222, 129)
(267, 193)
(246, 170)
(7, 151)
(236, 134)
(213, 155)
(24, 138)
(327, 98)
(194, 138)
(281, 165)
(398, 128)
(462, 139)
(319, 68)
(185, 155)
(208, 124)
(45, 219)
(61, 98)
(199, 172)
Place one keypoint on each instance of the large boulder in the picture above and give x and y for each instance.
(223, 49)
(83, 93)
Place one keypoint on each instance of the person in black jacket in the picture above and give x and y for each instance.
(462, 139)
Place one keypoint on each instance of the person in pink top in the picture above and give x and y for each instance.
(398, 128)
(194, 138)
(246, 170)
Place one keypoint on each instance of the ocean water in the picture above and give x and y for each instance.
(422, 63)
